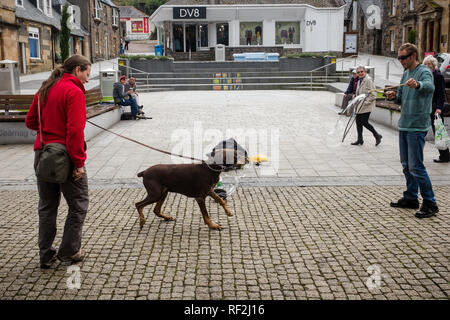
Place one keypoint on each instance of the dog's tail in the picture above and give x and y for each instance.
(141, 174)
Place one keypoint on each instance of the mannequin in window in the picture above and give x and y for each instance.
(291, 34)
(258, 31)
(248, 37)
(284, 35)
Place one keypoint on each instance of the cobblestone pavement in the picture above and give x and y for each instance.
(281, 243)
(319, 228)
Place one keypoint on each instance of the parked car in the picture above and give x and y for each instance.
(444, 66)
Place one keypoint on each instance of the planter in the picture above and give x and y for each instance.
(306, 64)
(152, 65)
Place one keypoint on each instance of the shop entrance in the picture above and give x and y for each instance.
(191, 37)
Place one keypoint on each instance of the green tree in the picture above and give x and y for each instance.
(65, 33)
(412, 36)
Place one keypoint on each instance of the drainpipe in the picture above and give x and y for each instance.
(52, 38)
(90, 31)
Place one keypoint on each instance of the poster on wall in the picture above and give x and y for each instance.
(250, 33)
(350, 43)
(137, 27)
(287, 32)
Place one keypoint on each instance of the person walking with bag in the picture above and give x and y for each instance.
(416, 98)
(368, 106)
(58, 114)
(438, 101)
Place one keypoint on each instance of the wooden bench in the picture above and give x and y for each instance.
(382, 103)
(16, 106)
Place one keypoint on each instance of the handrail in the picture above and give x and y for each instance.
(347, 58)
(114, 63)
(327, 65)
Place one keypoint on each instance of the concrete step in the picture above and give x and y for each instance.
(225, 65)
(253, 73)
(246, 86)
(244, 80)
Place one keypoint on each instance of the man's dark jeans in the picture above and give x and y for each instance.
(411, 157)
(132, 103)
(77, 198)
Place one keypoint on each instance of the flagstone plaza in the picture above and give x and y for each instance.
(312, 223)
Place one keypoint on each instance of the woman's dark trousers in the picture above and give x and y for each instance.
(77, 198)
(362, 120)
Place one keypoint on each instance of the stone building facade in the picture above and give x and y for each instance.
(8, 31)
(423, 22)
(30, 33)
(104, 27)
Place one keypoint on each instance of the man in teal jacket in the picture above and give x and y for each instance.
(416, 100)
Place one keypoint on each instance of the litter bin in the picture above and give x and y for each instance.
(159, 51)
(220, 52)
(107, 79)
(9, 77)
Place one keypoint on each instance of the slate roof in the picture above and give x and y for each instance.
(109, 3)
(32, 13)
(314, 3)
(131, 12)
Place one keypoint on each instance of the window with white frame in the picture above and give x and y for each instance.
(33, 42)
(40, 5)
(97, 10)
(48, 7)
(392, 40)
(115, 16)
(71, 20)
(394, 7)
(19, 3)
(411, 5)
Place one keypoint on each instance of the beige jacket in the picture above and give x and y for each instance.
(364, 87)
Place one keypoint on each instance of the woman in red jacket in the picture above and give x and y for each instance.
(63, 118)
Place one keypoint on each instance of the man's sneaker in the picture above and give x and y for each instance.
(48, 264)
(406, 203)
(427, 210)
(77, 257)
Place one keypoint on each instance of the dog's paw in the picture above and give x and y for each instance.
(141, 223)
(214, 226)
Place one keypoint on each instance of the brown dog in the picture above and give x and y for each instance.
(192, 180)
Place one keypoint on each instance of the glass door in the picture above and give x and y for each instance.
(191, 37)
(202, 37)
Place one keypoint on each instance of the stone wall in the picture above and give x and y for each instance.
(105, 38)
(45, 62)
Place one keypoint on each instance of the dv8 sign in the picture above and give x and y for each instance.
(189, 13)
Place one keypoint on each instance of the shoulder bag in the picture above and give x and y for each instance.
(54, 162)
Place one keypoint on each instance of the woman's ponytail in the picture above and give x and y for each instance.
(69, 65)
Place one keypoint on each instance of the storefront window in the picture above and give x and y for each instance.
(222, 33)
(178, 38)
(250, 33)
(203, 35)
(287, 32)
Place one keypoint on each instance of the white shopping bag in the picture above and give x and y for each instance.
(441, 139)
